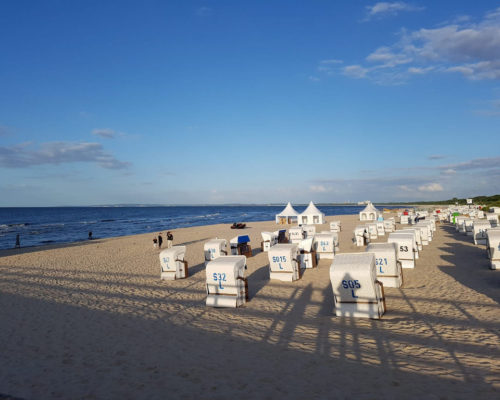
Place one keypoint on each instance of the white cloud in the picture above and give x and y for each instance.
(313, 78)
(55, 153)
(469, 48)
(419, 71)
(383, 9)
(431, 187)
(319, 189)
(355, 71)
(474, 164)
(105, 133)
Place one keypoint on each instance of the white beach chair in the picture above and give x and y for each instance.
(226, 283)
(418, 238)
(493, 218)
(214, 248)
(335, 226)
(309, 230)
(389, 225)
(173, 265)
(380, 228)
(307, 255)
(284, 263)
(296, 234)
(469, 226)
(240, 246)
(324, 245)
(359, 232)
(407, 247)
(389, 269)
(372, 230)
(479, 231)
(356, 290)
(493, 247)
(269, 239)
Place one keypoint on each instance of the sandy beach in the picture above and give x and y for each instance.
(92, 320)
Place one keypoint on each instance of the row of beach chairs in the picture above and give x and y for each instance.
(357, 279)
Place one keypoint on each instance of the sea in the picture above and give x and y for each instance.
(50, 225)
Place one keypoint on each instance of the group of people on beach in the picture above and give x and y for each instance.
(158, 240)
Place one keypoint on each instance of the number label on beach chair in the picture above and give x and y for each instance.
(218, 277)
(166, 260)
(351, 284)
(324, 244)
(403, 248)
(279, 260)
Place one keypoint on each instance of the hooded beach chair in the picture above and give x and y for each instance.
(226, 283)
(356, 290)
(388, 267)
(284, 263)
(214, 248)
(173, 265)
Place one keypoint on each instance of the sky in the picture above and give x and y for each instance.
(214, 102)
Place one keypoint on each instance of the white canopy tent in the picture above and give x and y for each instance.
(311, 215)
(287, 216)
(370, 213)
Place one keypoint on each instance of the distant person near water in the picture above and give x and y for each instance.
(18, 242)
(170, 239)
(90, 235)
(155, 242)
(160, 240)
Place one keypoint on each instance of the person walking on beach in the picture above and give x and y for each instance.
(90, 235)
(160, 240)
(18, 242)
(155, 242)
(170, 239)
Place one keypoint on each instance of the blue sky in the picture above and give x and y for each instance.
(195, 102)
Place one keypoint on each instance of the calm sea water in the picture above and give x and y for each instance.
(38, 226)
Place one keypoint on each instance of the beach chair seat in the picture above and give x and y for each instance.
(380, 228)
(307, 255)
(173, 265)
(284, 263)
(214, 248)
(226, 284)
(359, 232)
(493, 247)
(324, 245)
(296, 234)
(309, 231)
(468, 226)
(269, 239)
(240, 246)
(335, 226)
(406, 246)
(356, 290)
(479, 231)
(418, 238)
(389, 225)
(493, 218)
(372, 230)
(388, 267)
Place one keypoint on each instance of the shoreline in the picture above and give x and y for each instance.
(94, 321)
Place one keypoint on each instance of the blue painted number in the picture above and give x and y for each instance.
(218, 277)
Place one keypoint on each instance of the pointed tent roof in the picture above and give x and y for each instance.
(311, 210)
(370, 208)
(289, 211)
